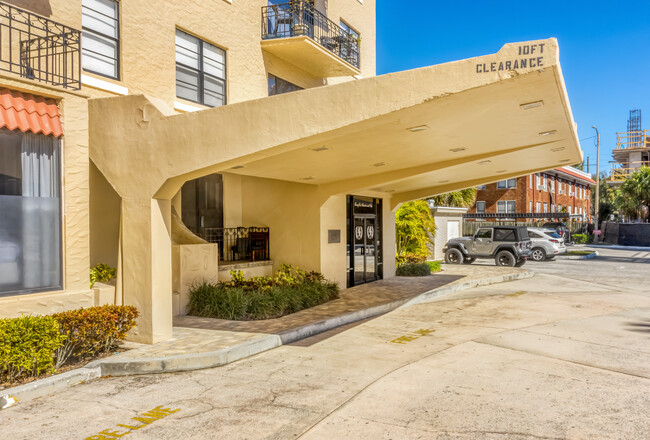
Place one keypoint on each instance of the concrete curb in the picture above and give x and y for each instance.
(577, 257)
(617, 247)
(198, 361)
(49, 385)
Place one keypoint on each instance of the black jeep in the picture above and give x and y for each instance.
(508, 245)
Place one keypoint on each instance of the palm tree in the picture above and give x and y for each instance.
(457, 199)
(633, 197)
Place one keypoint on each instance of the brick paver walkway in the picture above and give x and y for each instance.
(193, 335)
(353, 299)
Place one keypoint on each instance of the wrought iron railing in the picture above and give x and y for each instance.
(37, 48)
(239, 244)
(300, 18)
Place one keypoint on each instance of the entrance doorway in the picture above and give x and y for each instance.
(364, 240)
(202, 204)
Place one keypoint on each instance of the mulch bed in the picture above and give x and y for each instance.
(69, 366)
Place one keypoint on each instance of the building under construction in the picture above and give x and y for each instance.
(632, 149)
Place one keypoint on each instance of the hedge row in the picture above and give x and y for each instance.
(32, 345)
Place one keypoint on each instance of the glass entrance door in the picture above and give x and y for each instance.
(365, 250)
(364, 240)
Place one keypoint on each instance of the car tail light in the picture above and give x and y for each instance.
(554, 241)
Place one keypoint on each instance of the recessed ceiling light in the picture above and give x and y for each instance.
(555, 150)
(456, 150)
(307, 178)
(237, 167)
(565, 160)
(483, 162)
(379, 164)
(418, 128)
(323, 148)
(443, 181)
(529, 105)
(548, 133)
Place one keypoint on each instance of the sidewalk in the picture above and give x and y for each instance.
(199, 343)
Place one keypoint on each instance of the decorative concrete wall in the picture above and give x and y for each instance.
(192, 263)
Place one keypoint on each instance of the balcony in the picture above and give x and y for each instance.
(622, 171)
(39, 49)
(299, 34)
(633, 140)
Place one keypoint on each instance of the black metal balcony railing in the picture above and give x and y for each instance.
(40, 49)
(300, 18)
(239, 244)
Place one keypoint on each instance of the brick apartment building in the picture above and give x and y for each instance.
(546, 192)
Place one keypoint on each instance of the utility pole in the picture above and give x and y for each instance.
(597, 207)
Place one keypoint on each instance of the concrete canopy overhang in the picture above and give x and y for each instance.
(477, 126)
(405, 136)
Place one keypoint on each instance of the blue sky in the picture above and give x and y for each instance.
(604, 50)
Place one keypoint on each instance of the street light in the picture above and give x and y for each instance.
(597, 207)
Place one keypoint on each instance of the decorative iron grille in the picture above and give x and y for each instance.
(239, 244)
(37, 48)
(300, 18)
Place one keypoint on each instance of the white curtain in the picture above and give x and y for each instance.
(41, 208)
(41, 166)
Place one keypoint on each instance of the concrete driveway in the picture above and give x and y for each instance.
(564, 355)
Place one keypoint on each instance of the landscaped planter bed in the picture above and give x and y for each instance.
(288, 291)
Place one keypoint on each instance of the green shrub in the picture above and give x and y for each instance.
(409, 257)
(27, 346)
(413, 270)
(434, 266)
(582, 238)
(288, 291)
(93, 330)
(101, 272)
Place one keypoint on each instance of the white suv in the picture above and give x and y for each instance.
(546, 244)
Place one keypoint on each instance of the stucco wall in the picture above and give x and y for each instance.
(147, 39)
(73, 108)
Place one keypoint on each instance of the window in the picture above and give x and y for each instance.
(552, 184)
(552, 208)
(480, 207)
(504, 235)
(506, 206)
(538, 207)
(532, 234)
(100, 50)
(570, 210)
(530, 206)
(545, 207)
(538, 180)
(200, 71)
(484, 233)
(480, 187)
(30, 202)
(278, 86)
(349, 51)
(510, 183)
(530, 181)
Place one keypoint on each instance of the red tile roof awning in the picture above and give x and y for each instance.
(26, 112)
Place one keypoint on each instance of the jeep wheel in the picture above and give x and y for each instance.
(469, 260)
(520, 262)
(505, 258)
(454, 256)
(538, 254)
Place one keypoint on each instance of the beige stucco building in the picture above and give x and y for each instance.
(175, 122)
